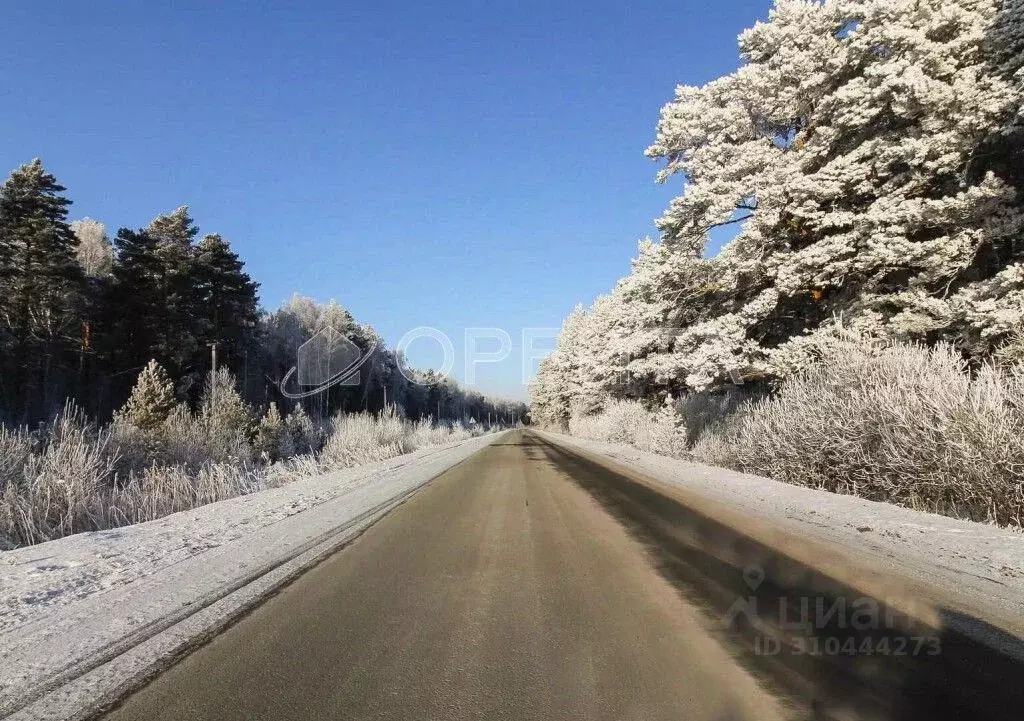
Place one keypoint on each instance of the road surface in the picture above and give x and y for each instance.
(530, 582)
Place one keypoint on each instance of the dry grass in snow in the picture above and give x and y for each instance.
(75, 477)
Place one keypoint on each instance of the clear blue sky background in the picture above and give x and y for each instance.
(446, 164)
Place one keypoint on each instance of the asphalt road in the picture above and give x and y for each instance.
(530, 582)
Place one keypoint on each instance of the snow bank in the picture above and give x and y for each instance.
(83, 617)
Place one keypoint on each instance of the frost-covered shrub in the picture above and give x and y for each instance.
(226, 418)
(898, 423)
(359, 438)
(58, 488)
(706, 410)
(16, 446)
(1011, 353)
(425, 433)
(159, 491)
(305, 436)
(75, 477)
(151, 400)
(363, 438)
(631, 423)
(273, 440)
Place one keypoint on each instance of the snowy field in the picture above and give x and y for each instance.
(83, 615)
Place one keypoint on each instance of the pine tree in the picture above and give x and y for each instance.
(845, 153)
(867, 156)
(151, 401)
(227, 304)
(223, 407)
(180, 338)
(303, 433)
(174, 230)
(136, 320)
(272, 435)
(40, 284)
(155, 299)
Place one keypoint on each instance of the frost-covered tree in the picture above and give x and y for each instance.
(558, 379)
(863, 153)
(842, 150)
(303, 433)
(95, 252)
(151, 401)
(1004, 151)
(224, 409)
(272, 435)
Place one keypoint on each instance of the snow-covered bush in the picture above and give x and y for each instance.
(898, 423)
(631, 423)
(305, 436)
(1011, 353)
(75, 477)
(58, 488)
(360, 438)
(159, 491)
(16, 447)
(425, 433)
(705, 411)
(273, 440)
(226, 418)
(151, 400)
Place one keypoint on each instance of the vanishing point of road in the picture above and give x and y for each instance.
(528, 582)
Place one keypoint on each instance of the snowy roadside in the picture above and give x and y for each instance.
(71, 606)
(979, 566)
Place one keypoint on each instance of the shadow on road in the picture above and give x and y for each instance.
(813, 637)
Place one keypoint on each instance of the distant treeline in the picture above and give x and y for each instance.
(81, 315)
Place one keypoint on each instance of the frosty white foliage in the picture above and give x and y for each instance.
(95, 253)
(273, 438)
(151, 400)
(899, 423)
(861, 154)
(226, 417)
(846, 141)
(630, 423)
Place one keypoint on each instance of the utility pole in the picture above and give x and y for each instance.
(213, 376)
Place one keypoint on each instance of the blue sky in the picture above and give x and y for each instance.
(455, 165)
